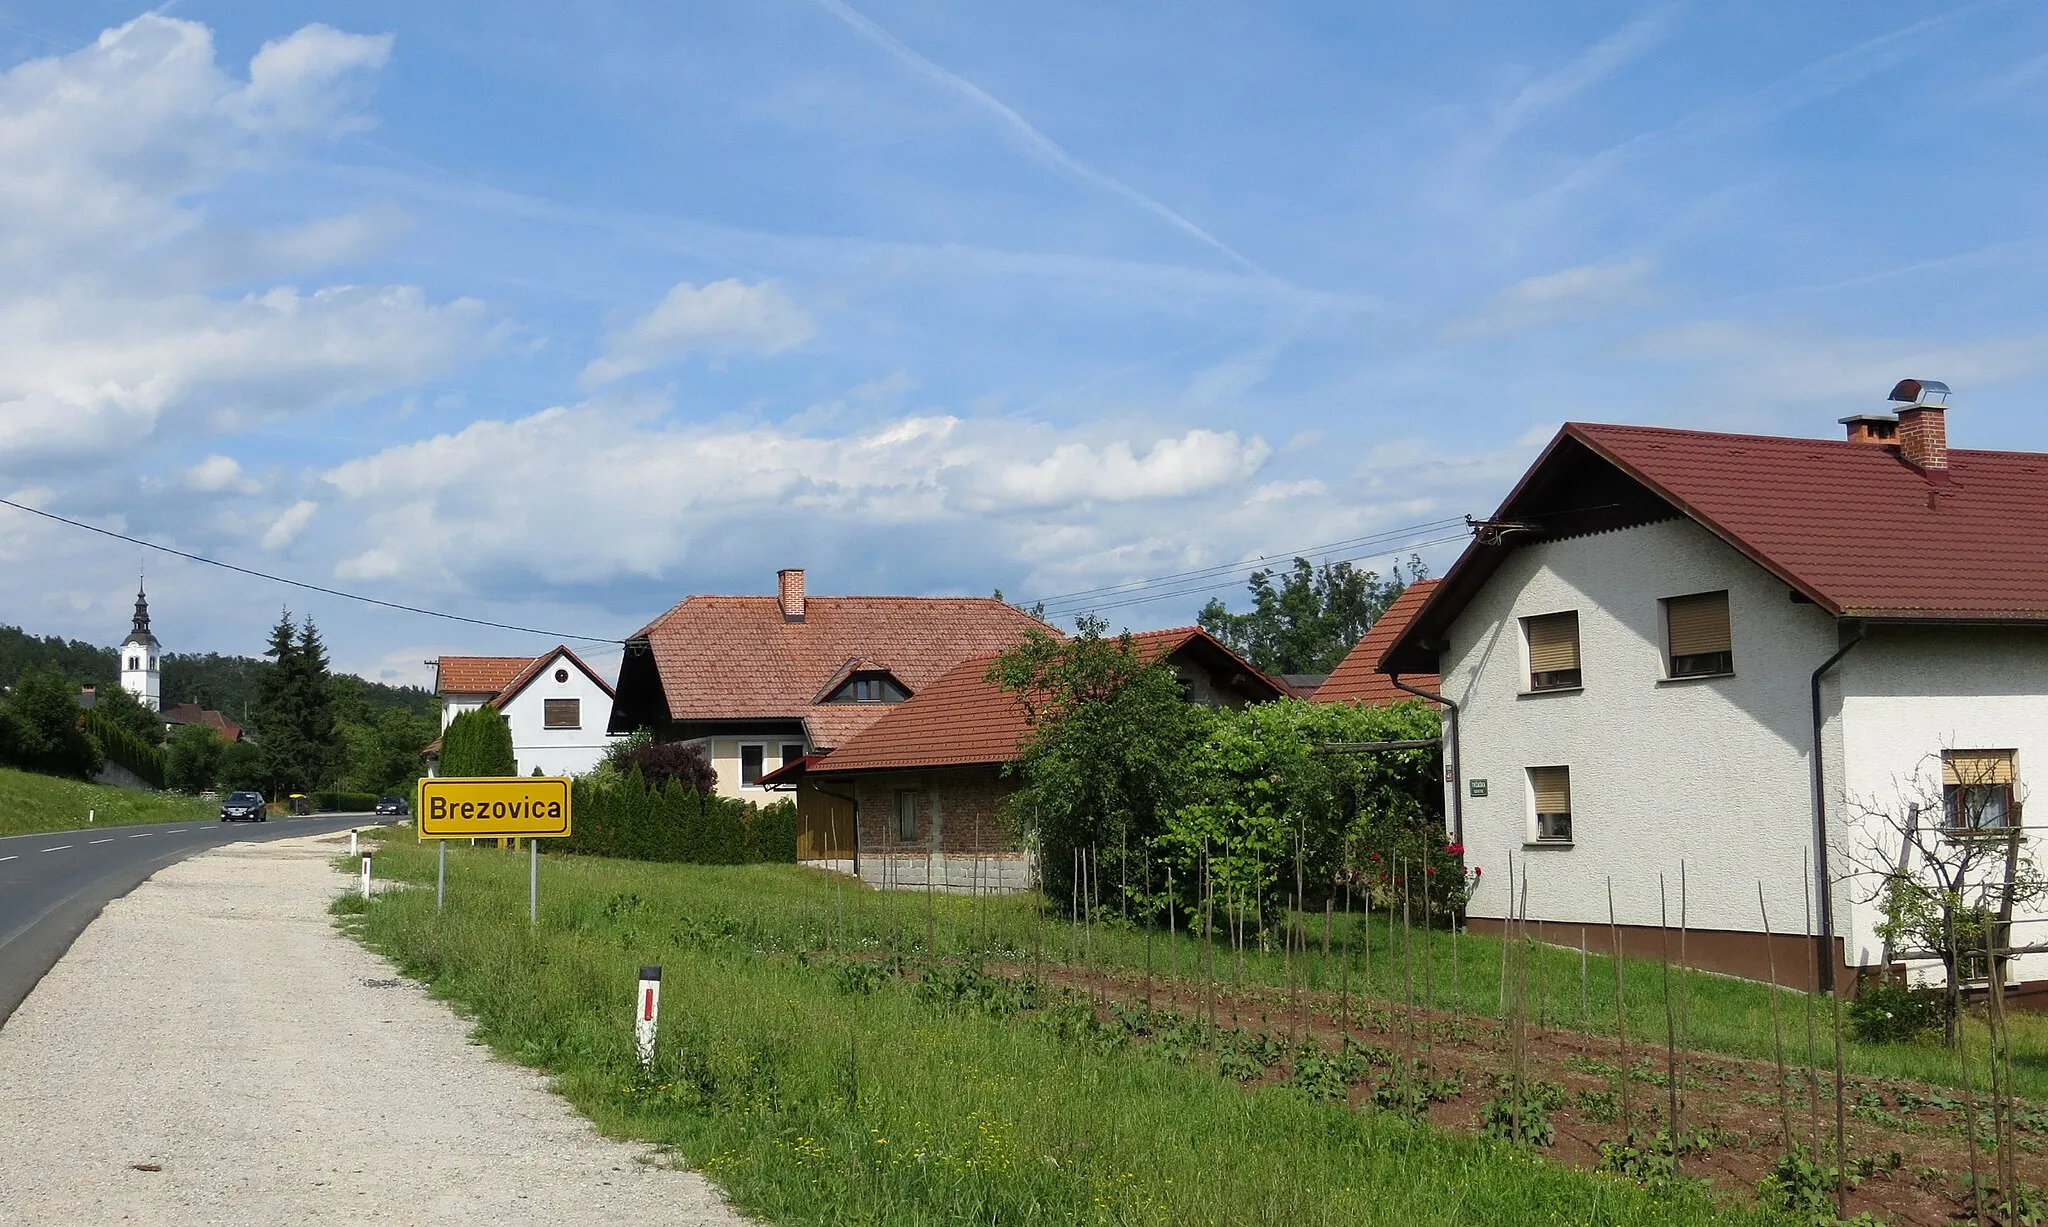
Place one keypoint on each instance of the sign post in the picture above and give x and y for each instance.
(532, 807)
(647, 1014)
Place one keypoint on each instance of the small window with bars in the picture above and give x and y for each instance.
(906, 813)
(1977, 789)
(1553, 650)
(1696, 635)
(561, 713)
(1551, 790)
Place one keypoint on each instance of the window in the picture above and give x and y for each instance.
(1551, 790)
(791, 751)
(1977, 788)
(1696, 634)
(750, 764)
(561, 713)
(867, 690)
(1553, 650)
(134, 662)
(906, 814)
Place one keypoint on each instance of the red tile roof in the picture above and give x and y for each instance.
(192, 713)
(1850, 526)
(1357, 678)
(962, 719)
(738, 658)
(478, 674)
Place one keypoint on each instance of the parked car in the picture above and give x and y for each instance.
(390, 805)
(243, 807)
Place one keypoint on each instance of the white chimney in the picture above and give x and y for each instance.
(789, 593)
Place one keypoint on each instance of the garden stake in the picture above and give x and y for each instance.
(1813, 979)
(1507, 935)
(1329, 905)
(1148, 934)
(1620, 1013)
(1407, 985)
(1670, 1020)
(1538, 953)
(1585, 1002)
(1521, 1024)
(1287, 970)
(1172, 940)
(1994, 1018)
(1777, 1024)
(1955, 952)
(1684, 982)
(1209, 931)
(1344, 999)
(1428, 943)
(1841, 1154)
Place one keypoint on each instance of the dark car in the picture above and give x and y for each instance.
(243, 806)
(391, 805)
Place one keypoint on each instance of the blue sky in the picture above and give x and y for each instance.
(553, 314)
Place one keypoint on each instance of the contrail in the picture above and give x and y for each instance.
(1021, 128)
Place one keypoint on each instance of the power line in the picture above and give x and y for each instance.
(1147, 598)
(294, 583)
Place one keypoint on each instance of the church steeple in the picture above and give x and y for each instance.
(141, 657)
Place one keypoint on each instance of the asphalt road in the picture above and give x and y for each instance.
(52, 886)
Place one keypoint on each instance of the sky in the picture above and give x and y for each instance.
(553, 314)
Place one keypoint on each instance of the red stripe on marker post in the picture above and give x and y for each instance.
(647, 1014)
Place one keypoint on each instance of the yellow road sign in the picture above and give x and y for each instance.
(465, 806)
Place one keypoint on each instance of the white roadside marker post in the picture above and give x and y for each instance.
(533, 882)
(92, 815)
(646, 1013)
(366, 877)
(441, 877)
(352, 840)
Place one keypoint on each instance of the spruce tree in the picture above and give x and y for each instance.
(325, 753)
(478, 743)
(277, 727)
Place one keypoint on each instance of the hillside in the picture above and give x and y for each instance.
(46, 803)
(222, 683)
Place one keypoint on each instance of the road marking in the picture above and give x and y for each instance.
(10, 858)
(144, 835)
(107, 840)
(58, 848)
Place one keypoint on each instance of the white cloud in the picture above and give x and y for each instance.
(289, 524)
(111, 327)
(219, 474)
(723, 315)
(589, 495)
(1555, 298)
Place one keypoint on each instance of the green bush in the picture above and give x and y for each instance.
(334, 800)
(478, 743)
(627, 819)
(193, 762)
(120, 745)
(1891, 1013)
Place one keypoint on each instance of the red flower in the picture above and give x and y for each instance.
(1476, 871)
(1455, 849)
(1430, 869)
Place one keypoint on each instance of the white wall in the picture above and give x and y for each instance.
(1909, 693)
(559, 751)
(725, 759)
(453, 705)
(1712, 772)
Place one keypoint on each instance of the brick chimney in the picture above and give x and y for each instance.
(789, 593)
(1923, 424)
(1872, 427)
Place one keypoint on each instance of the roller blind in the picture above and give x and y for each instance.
(1554, 642)
(1553, 787)
(1698, 624)
(1968, 768)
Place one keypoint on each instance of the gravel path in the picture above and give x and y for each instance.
(213, 1051)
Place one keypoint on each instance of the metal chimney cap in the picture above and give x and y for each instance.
(1929, 392)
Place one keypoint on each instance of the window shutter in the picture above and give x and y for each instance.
(1698, 624)
(1554, 643)
(1553, 786)
(1976, 768)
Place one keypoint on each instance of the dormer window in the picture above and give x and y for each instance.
(867, 689)
(869, 686)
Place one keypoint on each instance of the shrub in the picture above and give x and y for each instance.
(1516, 1120)
(1892, 1013)
(242, 769)
(1800, 1186)
(120, 745)
(660, 763)
(478, 743)
(677, 823)
(193, 762)
(334, 800)
(47, 734)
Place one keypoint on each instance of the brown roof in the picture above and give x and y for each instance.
(1850, 526)
(1357, 678)
(539, 665)
(478, 674)
(738, 658)
(192, 713)
(962, 719)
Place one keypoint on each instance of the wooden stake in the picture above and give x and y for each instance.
(1777, 1023)
(1670, 1023)
(1620, 1014)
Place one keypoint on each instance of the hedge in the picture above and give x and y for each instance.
(332, 800)
(125, 748)
(677, 823)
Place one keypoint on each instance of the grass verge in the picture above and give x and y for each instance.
(813, 1094)
(31, 803)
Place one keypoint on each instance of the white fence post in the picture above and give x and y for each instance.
(366, 877)
(646, 1013)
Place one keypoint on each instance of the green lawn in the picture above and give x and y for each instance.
(31, 802)
(814, 1094)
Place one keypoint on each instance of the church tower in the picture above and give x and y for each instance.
(141, 657)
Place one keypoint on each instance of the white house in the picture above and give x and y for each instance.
(1678, 652)
(557, 707)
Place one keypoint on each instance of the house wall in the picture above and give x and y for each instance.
(453, 705)
(962, 842)
(725, 759)
(559, 751)
(1909, 693)
(1709, 773)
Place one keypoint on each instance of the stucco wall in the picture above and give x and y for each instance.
(725, 759)
(1909, 693)
(1712, 772)
(559, 751)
